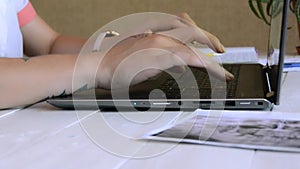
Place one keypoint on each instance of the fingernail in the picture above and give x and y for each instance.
(148, 31)
(229, 76)
(222, 48)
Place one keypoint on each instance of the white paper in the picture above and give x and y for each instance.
(233, 55)
(262, 131)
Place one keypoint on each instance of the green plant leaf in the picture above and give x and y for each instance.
(277, 8)
(269, 8)
(253, 9)
(297, 8)
(261, 11)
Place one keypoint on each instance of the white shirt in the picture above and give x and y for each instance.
(11, 42)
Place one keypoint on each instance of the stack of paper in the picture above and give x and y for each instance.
(233, 55)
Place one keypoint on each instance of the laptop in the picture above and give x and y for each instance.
(255, 86)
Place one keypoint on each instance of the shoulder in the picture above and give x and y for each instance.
(25, 11)
(20, 4)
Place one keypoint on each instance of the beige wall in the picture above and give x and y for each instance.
(231, 20)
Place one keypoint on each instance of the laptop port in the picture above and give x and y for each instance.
(245, 103)
(230, 103)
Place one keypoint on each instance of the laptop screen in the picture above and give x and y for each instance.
(276, 47)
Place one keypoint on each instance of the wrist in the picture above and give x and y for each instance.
(90, 71)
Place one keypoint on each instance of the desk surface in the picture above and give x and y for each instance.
(43, 136)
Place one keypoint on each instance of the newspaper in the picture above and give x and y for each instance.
(258, 131)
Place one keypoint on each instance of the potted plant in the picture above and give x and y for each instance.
(264, 9)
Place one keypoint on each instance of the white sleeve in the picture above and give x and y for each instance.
(20, 4)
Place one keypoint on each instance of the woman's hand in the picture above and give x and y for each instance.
(140, 57)
(162, 45)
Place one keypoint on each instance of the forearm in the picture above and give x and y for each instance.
(25, 82)
(67, 45)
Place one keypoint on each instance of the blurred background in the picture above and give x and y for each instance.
(231, 21)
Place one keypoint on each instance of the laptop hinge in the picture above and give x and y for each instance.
(269, 92)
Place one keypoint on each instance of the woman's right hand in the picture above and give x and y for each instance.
(139, 58)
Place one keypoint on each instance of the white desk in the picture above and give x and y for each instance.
(42, 137)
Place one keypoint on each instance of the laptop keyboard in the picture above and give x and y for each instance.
(204, 85)
(232, 85)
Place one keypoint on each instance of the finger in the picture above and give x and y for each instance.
(215, 42)
(191, 34)
(177, 69)
(159, 25)
(187, 19)
(180, 55)
(143, 64)
(168, 57)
